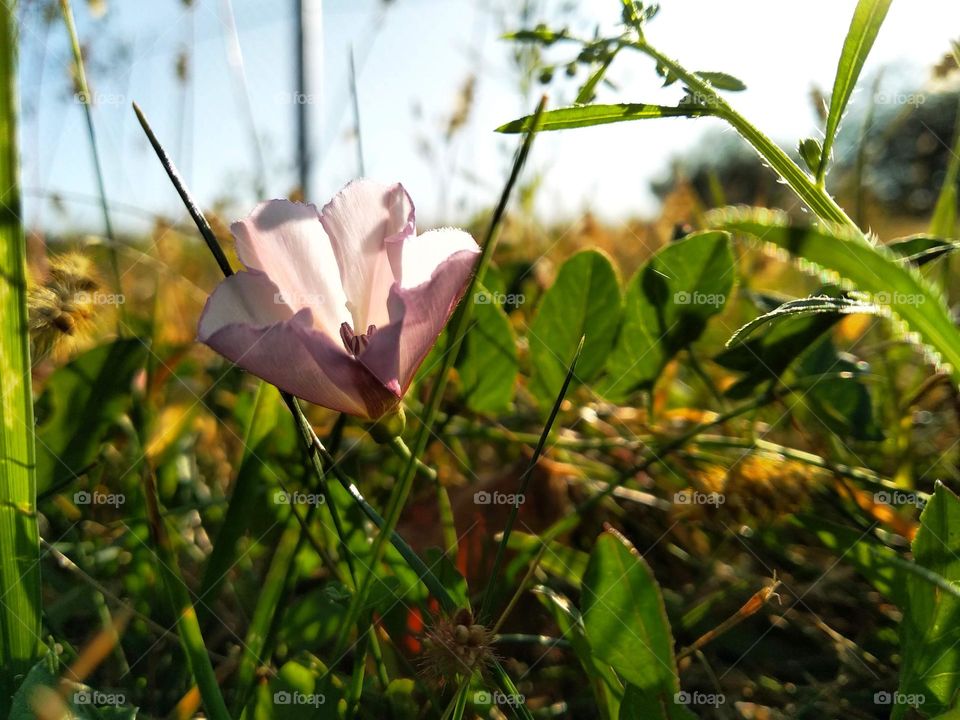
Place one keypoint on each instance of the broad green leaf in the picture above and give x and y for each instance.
(929, 632)
(90, 392)
(637, 705)
(666, 307)
(41, 690)
(867, 19)
(604, 682)
(843, 404)
(19, 544)
(626, 623)
(588, 115)
(583, 301)
(847, 255)
(488, 358)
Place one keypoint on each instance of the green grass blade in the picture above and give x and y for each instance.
(589, 115)
(845, 255)
(19, 541)
(867, 19)
(944, 220)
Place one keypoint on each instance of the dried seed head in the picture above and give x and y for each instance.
(63, 304)
(456, 647)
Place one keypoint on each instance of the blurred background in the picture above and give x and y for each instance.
(219, 80)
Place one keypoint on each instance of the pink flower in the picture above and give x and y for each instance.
(338, 307)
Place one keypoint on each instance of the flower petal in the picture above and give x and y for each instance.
(363, 220)
(287, 242)
(285, 349)
(418, 312)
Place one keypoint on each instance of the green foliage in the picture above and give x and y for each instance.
(583, 301)
(666, 307)
(867, 19)
(590, 115)
(848, 256)
(41, 689)
(19, 548)
(488, 359)
(627, 626)
(929, 633)
(90, 392)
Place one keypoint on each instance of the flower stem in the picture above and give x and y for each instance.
(456, 332)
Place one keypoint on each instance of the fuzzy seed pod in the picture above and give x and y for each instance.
(63, 305)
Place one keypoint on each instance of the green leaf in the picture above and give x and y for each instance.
(929, 632)
(43, 682)
(589, 115)
(765, 357)
(604, 682)
(920, 249)
(488, 359)
(867, 19)
(626, 623)
(817, 305)
(636, 704)
(296, 693)
(811, 152)
(666, 307)
(843, 404)
(583, 301)
(541, 34)
(722, 81)
(589, 90)
(846, 254)
(944, 220)
(19, 542)
(81, 401)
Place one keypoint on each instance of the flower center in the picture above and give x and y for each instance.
(355, 344)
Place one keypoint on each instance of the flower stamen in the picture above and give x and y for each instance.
(355, 344)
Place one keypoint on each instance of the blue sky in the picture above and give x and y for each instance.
(417, 56)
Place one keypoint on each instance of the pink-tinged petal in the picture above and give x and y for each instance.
(287, 242)
(366, 221)
(286, 350)
(419, 312)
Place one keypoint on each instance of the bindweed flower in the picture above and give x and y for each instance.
(341, 306)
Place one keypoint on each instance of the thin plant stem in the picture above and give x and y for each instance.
(456, 331)
(83, 91)
(525, 483)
